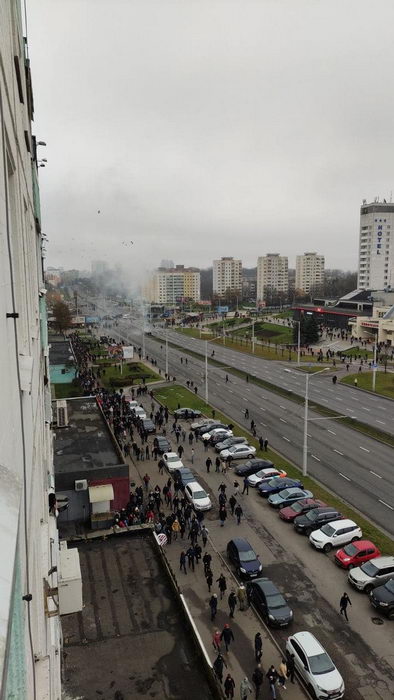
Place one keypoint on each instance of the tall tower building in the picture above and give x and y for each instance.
(30, 634)
(376, 246)
(309, 272)
(227, 275)
(272, 274)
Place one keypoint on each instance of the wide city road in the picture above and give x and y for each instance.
(354, 466)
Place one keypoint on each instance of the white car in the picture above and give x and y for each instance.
(239, 452)
(223, 432)
(335, 534)
(172, 461)
(315, 667)
(264, 475)
(197, 496)
(139, 412)
(131, 402)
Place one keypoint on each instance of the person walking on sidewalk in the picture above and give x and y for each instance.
(227, 636)
(241, 595)
(282, 674)
(216, 643)
(258, 647)
(245, 688)
(233, 503)
(238, 512)
(180, 451)
(209, 579)
(213, 604)
(343, 603)
(246, 486)
(206, 560)
(182, 562)
(208, 464)
(217, 465)
(204, 535)
(290, 666)
(218, 667)
(257, 679)
(221, 581)
(272, 676)
(190, 557)
(222, 515)
(232, 602)
(229, 686)
(146, 480)
(175, 528)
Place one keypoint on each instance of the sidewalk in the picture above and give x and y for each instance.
(240, 658)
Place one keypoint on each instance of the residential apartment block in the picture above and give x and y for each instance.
(309, 272)
(172, 286)
(376, 246)
(272, 274)
(30, 635)
(227, 275)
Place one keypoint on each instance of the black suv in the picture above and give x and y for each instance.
(162, 444)
(314, 519)
(382, 598)
(187, 413)
(252, 466)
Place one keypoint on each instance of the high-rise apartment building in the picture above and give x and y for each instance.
(272, 275)
(376, 246)
(309, 272)
(30, 635)
(227, 276)
(171, 286)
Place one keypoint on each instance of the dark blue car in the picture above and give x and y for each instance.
(244, 558)
(277, 484)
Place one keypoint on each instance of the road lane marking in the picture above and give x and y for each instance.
(381, 421)
(375, 474)
(365, 409)
(247, 389)
(338, 452)
(386, 504)
(338, 399)
(244, 398)
(343, 476)
(265, 424)
(262, 409)
(363, 448)
(229, 402)
(282, 407)
(316, 458)
(283, 420)
(285, 438)
(231, 391)
(331, 431)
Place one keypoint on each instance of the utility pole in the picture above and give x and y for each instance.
(253, 335)
(167, 352)
(206, 372)
(374, 368)
(299, 344)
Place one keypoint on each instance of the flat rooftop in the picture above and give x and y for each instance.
(130, 636)
(86, 441)
(59, 351)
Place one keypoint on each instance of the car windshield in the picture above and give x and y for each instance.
(390, 586)
(276, 601)
(173, 458)
(311, 515)
(350, 550)
(199, 494)
(369, 568)
(247, 556)
(284, 494)
(297, 507)
(321, 663)
(274, 482)
(328, 530)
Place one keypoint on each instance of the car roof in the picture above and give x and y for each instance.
(172, 454)
(326, 509)
(291, 490)
(267, 585)
(241, 544)
(309, 643)
(195, 486)
(361, 544)
(336, 524)
(383, 561)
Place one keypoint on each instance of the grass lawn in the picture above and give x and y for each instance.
(265, 351)
(356, 351)
(284, 314)
(194, 332)
(172, 395)
(133, 373)
(384, 382)
(66, 391)
(280, 335)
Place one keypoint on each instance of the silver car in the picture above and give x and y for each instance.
(372, 573)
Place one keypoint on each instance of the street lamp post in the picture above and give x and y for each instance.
(306, 406)
(374, 368)
(166, 352)
(206, 368)
(299, 344)
(253, 335)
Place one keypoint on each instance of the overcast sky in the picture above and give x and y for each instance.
(206, 128)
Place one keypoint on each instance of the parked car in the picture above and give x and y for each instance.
(289, 513)
(172, 461)
(335, 533)
(184, 475)
(314, 519)
(238, 452)
(197, 496)
(202, 423)
(265, 475)
(382, 598)
(207, 427)
(315, 667)
(229, 442)
(356, 553)
(131, 402)
(148, 425)
(219, 435)
(162, 444)
(252, 466)
(139, 412)
(244, 558)
(288, 496)
(222, 432)
(269, 602)
(266, 488)
(187, 413)
(372, 574)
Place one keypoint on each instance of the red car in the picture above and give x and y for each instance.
(299, 508)
(356, 553)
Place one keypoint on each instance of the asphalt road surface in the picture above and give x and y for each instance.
(352, 465)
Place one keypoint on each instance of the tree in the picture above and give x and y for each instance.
(62, 316)
(311, 330)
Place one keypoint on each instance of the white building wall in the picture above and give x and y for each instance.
(227, 274)
(272, 272)
(376, 246)
(25, 439)
(309, 271)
